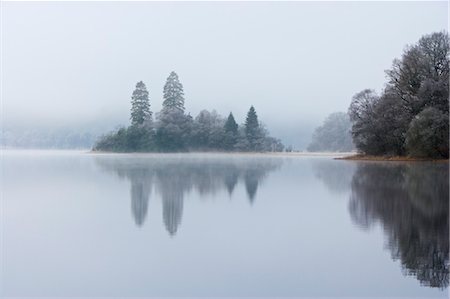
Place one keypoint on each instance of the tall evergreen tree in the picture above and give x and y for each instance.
(231, 125)
(173, 94)
(252, 129)
(140, 105)
(231, 133)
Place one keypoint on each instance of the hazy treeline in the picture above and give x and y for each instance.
(334, 135)
(175, 131)
(411, 115)
(57, 138)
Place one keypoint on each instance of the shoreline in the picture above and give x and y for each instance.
(335, 155)
(347, 156)
(91, 152)
(361, 157)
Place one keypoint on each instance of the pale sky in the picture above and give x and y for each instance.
(296, 62)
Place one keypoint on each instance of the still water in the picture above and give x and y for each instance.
(80, 224)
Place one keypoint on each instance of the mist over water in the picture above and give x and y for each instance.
(222, 225)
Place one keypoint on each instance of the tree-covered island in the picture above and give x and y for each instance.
(175, 131)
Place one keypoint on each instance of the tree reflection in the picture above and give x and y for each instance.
(140, 193)
(336, 175)
(231, 179)
(410, 201)
(174, 177)
(252, 176)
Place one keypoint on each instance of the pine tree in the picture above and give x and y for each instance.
(231, 133)
(140, 105)
(231, 125)
(173, 94)
(252, 130)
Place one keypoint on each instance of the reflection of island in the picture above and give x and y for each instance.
(172, 177)
(410, 201)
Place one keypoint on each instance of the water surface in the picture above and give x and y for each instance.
(78, 224)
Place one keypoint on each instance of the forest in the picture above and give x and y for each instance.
(411, 115)
(409, 118)
(175, 131)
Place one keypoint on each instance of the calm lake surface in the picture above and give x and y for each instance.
(80, 224)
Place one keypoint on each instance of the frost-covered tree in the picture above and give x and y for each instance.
(252, 129)
(428, 134)
(333, 135)
(173, 130)
(140, 106)
(207, 131)
(366, 136)
(173, 94)
(421, 77)
(174, 126)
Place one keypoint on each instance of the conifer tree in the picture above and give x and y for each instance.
(252, 129)
(173, 94)
(140, 105)
(231, 133)
(231, 125)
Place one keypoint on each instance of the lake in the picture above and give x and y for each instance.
(223, 225)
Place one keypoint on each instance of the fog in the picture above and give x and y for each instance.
(75, 65)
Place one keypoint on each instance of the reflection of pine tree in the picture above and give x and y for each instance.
(253, 175)
(172, 212)
(173, 181)
(416, 222)
(231, 179)
(140, 193)
(141, 185)
(251, 185)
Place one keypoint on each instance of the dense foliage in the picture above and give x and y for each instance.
(410, 117)
(334, 135)
(176, 131)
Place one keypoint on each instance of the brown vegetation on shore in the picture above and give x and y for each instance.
(362, 157)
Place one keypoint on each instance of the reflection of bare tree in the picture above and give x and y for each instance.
(336, 175)
(411, 202)
(174, 176)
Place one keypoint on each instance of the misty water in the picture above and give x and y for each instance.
(81, 224)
